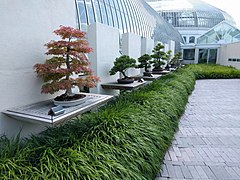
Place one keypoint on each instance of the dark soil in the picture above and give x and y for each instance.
(157, 69)
(125, 80)
(64, 97)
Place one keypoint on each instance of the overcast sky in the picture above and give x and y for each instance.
(232, 7)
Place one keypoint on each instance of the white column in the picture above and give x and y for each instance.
(105, 43)
(147, 45)
(131, 46)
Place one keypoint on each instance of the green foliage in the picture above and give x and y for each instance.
(126, 139)
(176, 59)
(145, 62)
(168, 56)
(121, 64)
(158, 56)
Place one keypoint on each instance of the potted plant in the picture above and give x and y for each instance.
(167, 57)
(175, 61)
(67, 61)
(158, 57)
(145, 62)
(121, 64)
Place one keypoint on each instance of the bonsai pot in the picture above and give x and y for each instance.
(157, 69)
(148, 74)
(175, 65)
(125, 81)
(68, 101)
(168, 66)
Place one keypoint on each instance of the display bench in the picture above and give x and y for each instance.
(148, 78)
(38, 112)
(160, 72)
(126, 87)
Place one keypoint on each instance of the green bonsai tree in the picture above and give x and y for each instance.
(145, 62)
(158, 56)
(176, 59)
(168, 56)
(121, 64)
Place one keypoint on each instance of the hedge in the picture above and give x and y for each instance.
(126, 139)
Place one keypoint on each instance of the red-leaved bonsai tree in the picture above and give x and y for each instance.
(67, 61)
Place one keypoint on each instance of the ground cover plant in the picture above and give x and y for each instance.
(126, 139)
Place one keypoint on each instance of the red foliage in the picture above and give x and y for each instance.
(68, 59)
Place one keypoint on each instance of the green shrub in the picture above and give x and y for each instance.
(126, 139)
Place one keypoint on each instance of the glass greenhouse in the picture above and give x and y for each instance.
(134, 16)
(190, 13)
(222, 33)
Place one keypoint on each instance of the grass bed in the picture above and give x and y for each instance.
(127, 139)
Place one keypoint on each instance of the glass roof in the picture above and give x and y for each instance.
(190, 13)
(221, 33)
(134, 16)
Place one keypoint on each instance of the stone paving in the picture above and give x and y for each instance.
(207, 145)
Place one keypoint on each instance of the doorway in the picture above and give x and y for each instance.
(207, 56)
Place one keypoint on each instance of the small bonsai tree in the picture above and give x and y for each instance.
(176, 59)
(168, 56)
(145, 62)
(67, 59)
(121, 64)
(158, 56)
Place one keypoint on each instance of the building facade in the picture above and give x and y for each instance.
(203, 27)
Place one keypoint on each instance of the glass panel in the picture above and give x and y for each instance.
(109, 14)
(82, 12)
(212, 56)
(124, 16)
(191, 39)
(115, 20)
(185, 39)
(188, 54)
(103, 12)
(91, 17)
(203, 54)
(119, 20)
(222, 33)
(97, 11)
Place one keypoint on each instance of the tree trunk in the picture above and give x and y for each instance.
(124, 75)
(68, 91)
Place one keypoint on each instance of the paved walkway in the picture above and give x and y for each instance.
(207, 145)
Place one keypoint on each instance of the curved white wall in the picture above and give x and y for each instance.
(25, 27)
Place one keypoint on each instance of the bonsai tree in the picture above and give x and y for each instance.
(158, 56)
(67, 59)
(121, 64)
(175, 61)
(167, 57)
(145, 62)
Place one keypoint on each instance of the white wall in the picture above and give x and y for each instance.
(131, 46)
(105, 43)
(166, 47)
(147, 45)
(172, 46)
(25, 27)
(229, 51)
